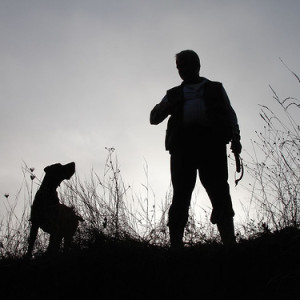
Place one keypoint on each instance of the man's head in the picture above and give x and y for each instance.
(188, 65)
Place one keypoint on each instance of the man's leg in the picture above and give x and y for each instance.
(213, 172)
(183, 175)
(226, 230)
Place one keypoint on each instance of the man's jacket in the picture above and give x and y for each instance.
(222, 125)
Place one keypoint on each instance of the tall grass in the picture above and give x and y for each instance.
(275, 165)
(113, 209)
(14, 226)
(110, 206)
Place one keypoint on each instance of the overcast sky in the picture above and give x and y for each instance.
(79, 76)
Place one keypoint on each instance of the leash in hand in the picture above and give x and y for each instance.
(239, 168)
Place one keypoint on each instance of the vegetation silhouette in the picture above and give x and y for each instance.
(122, 253)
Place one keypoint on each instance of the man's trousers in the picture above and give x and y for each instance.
(210, 161)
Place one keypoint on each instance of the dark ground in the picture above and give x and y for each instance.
(267, 267)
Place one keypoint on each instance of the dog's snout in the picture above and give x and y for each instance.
(71, 165)
(70, 168)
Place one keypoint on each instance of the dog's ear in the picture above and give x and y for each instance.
(47, 169)
(51, 167)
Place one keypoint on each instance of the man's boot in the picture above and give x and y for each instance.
(226, 229)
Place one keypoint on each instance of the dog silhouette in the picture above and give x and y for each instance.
(47, 213)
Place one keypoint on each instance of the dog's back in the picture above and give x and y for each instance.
(67, 220)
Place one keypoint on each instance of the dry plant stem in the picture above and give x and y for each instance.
(275, 165)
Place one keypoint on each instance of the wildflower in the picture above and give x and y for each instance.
(32, 176)
(31, 169)
(110, 149)
(6, 195)
(105, 222)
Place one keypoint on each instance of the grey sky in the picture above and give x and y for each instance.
(79, 76)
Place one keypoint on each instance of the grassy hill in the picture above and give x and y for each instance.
(267, 267)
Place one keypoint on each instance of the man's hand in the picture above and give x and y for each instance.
(236, 146)
(160, 112)
(166, 107)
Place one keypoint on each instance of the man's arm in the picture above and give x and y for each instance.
(236, 145)
(160, 111)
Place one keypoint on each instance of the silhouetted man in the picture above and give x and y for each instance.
(201, 123)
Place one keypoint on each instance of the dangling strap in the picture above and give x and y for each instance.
(239, 167)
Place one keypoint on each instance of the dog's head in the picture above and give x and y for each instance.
(56, 173)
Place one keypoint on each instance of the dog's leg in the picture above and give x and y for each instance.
(32, 237)
(67, 243)
(54, 244)
(68, 238)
